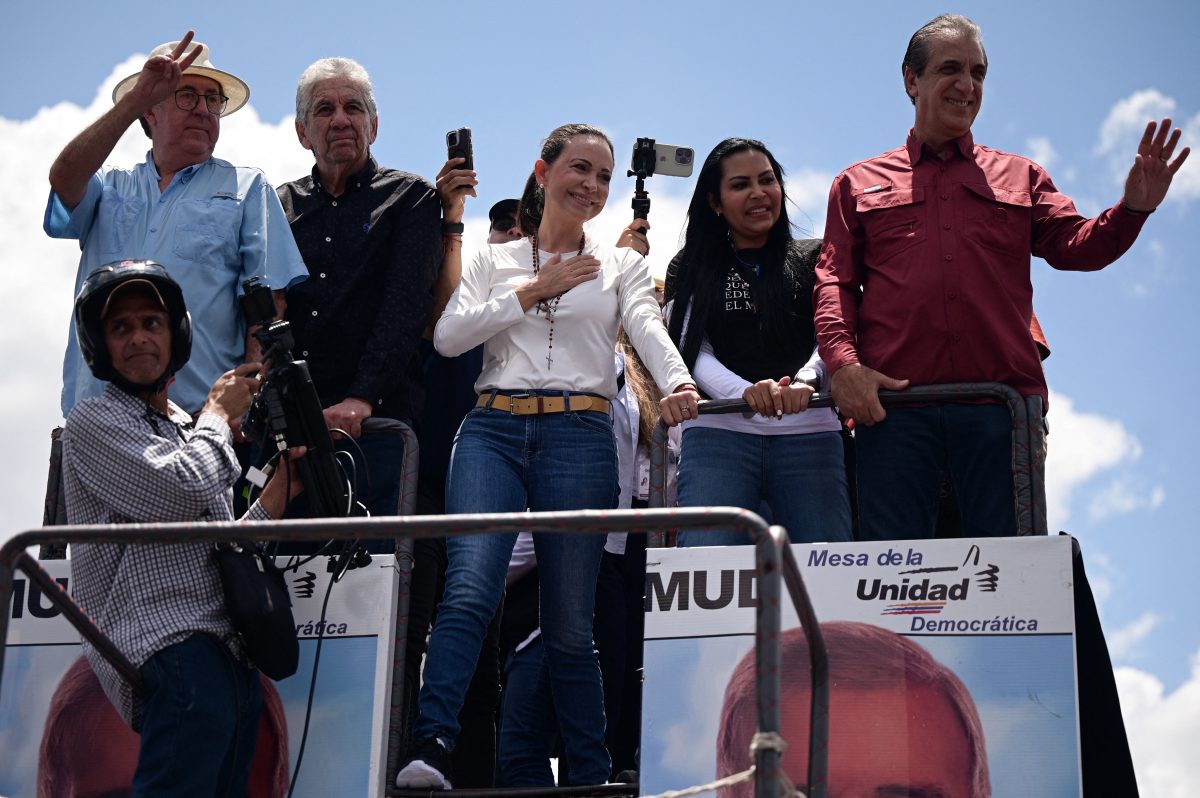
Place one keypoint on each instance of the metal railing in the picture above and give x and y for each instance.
(1028, 441)
(776, 566)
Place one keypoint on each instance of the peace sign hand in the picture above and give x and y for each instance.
(161, 73)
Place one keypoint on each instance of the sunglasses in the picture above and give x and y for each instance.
(502, 224)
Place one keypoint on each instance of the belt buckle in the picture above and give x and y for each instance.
(512, 402)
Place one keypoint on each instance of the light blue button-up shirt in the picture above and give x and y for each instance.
(214, 226)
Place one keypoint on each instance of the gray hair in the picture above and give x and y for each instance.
(916, 57)
(327, 69)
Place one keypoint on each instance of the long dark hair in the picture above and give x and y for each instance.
(696, 274)
(533, 198)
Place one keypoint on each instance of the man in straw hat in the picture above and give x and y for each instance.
(210, 223)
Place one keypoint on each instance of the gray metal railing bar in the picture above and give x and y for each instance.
(768, 655)
(53, 591)
(1027, 440)
(13, 553)
(775, 563)
(818, 712)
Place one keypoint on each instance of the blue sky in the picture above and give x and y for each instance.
(1070, 84)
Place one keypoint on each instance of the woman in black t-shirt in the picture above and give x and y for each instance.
(741, 314)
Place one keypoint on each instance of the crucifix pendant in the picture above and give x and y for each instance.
(549, 360)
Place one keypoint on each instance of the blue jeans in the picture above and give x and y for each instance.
(507, 463)
(802, 478)
(527, 723)
(903, 460)
(199, 721)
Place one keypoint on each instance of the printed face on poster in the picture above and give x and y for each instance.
(952, 668)
(53, 710)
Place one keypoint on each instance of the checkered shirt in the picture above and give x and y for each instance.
(124, 462)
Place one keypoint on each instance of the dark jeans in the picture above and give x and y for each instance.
(618, 629)
(903, 461)
(529, 729)
(199, 721)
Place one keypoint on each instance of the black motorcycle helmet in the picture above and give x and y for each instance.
(93, 301)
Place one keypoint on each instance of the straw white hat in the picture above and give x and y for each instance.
(232, 86)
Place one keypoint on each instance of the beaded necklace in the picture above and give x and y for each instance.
(756, 268)
(549, 306)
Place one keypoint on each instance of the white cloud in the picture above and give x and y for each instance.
(668, 214)
(1081, 446)
(1163, 729)
(1125, 495)
(1123, 641)
(808, 190)
(1122, 130)
(1131, 114)
(1041, 151)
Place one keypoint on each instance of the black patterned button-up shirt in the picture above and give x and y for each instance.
(373, 255)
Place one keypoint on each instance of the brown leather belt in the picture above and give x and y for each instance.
(529, 404)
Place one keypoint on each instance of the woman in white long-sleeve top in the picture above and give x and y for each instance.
(741, 313)
(546, 308)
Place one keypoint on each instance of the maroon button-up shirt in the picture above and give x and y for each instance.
(924, 273)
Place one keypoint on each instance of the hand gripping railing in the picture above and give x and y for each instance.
(774, 557)
(1028, 442)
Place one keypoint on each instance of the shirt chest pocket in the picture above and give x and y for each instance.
(893, 222)
(206, 231)
(121, 217)
(1000, 219)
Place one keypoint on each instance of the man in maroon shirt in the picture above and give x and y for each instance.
(924, 278)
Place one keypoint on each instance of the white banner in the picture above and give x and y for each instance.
(345, 752)
(904, 622)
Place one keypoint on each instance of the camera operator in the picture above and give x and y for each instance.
(131, 456)
(370, 238)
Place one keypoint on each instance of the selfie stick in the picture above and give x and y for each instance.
(643, 167)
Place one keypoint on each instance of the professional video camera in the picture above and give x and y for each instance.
(650, 158)
(287, 409)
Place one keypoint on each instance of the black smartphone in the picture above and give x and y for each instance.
(458, 145)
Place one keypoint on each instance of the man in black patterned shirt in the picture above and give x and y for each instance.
(371, 239)
(131, 456)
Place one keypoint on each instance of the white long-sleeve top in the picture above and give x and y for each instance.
(485, 309)
(717, 381)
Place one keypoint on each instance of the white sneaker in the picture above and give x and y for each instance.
(426, 767)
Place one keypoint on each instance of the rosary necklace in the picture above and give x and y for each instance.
(549, 306)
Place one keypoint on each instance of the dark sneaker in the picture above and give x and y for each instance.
(427, 766)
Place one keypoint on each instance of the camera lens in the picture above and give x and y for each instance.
(683, 155)
(452, 138)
